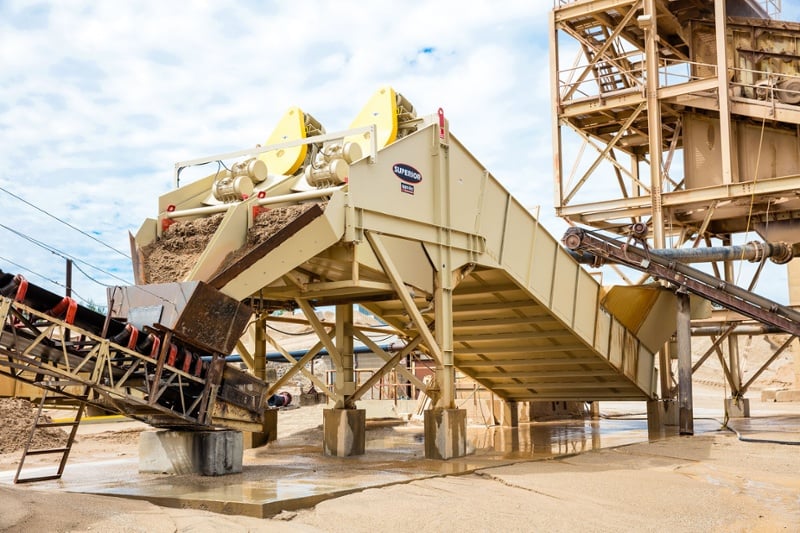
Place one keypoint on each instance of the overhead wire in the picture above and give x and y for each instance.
(75, 261)
(55, 251)
(54, 282)
(26, 202)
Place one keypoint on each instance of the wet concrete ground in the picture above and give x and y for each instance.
(292, 473)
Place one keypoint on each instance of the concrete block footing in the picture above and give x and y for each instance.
(541, 410)
(344, 432)
(737, 407)
(662, 413)
(209, 453)
(445, 433)
(268, 433)
(506, 413)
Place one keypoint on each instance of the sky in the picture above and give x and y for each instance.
(98, 100)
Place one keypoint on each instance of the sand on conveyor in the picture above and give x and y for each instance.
(171, 257)
(266, 224)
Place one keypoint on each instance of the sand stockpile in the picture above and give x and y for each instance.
(16, 418)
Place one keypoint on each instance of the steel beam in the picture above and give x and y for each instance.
(684, 341)
(389, 365)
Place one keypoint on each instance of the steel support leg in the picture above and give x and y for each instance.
(684, 337)
(269, 431)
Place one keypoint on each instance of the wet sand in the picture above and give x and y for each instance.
(556, 477)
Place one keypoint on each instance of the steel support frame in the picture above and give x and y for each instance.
(599, 54)
(94, 368)
(299, 365)
(738, 391)
(390, 364)
(442, 393)
(604, 153)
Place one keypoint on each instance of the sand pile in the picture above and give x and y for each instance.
(754, 351)
(16, 418)
(172, 256)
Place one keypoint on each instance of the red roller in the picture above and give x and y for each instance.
(22, 288)
(156, 346)
(67, 307)
(187, 360)
(173, 355)
(134, 336)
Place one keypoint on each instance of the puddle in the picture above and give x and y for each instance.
(292, 473)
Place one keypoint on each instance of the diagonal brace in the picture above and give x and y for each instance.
(402, 292)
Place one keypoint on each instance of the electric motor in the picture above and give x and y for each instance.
(255, 169)
(232, 189)
(331, 167)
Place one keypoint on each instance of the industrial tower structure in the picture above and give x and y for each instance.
(648, 129)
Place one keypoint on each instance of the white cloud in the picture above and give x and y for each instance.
(99, 99)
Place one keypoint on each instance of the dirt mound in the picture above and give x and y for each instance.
(172, 256)
(16, 418)
(754, 352)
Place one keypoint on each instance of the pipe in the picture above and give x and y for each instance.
(742, 329)
(267, 200)
(778, 252)
(574, 237)
(277, 357)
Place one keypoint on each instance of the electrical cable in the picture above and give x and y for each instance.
(742, 438)
(55, 251)
(296, 334)
(752, 195)
(75, 261)
(54, 282)
(123, 254)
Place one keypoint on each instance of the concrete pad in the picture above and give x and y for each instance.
(445, 433)
(387, 408)
(769, 395)
(555, 410)
(509, 414)
(737, 408)
(344, 431)
(209, 453)
(292, 473)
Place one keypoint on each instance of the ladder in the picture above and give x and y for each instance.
(609, 77)
(64, 451)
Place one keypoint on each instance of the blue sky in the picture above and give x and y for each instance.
(98, 100)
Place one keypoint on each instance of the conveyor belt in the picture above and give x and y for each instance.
(150, 374)
(680, 276)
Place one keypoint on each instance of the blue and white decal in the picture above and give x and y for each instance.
(406, 188)
(407, 173)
